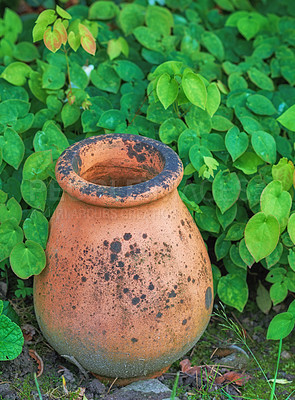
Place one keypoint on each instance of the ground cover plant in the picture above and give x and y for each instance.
(212, 79)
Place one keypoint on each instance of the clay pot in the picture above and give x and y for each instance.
(128, 286)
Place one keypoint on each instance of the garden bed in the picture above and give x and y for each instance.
(216, 350)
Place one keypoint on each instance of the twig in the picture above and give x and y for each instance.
(212, 355)
(140, 107)
(112, 385)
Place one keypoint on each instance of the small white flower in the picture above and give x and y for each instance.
(87, 69)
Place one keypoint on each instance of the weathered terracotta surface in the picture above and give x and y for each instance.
(128, 287)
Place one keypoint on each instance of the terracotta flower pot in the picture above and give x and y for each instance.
(128, 286)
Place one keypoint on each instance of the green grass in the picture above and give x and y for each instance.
(264, 363)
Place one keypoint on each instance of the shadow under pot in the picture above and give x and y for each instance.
(127, 289)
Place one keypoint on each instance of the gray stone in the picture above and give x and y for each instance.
(286, 355)
(150, 389)
(147, 386)
(69, 377)
(96, 387)
(235, 360)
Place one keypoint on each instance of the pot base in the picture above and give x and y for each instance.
(127, 381)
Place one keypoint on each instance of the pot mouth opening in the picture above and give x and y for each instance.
(116, 176)
(118, 170)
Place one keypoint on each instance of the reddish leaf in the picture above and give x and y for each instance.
(60, 28)
(39, 360)
(219, 380)
(52, 39)
(233, 377)
(188, 369)
(28, 332)
(87, 40)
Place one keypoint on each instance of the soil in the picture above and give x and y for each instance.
(59, 379)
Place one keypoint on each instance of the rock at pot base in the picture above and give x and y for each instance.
(150, 389)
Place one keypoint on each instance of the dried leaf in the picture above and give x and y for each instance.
(280, 381)
(219, 380)
(39, 360)
(188, 369)
(233, 377)
(28, 332)
(223, 352)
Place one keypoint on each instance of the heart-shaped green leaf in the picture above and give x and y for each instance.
(261, 235)
(27, 259)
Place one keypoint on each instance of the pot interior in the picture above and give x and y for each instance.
(119, 163)
(117, 175)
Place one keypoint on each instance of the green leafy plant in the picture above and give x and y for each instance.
(22, 290)
(11, 336)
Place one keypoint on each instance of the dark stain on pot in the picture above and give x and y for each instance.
(184, 322)
(127, 236)
(159, 315)
(106, 243)
(143, 296)
(125, 290)
(151, 286)
(138, 147)
(144, 235)
(182, 222)
(135, 300)
(127, 254)
(172, 294)
(115, 246)
(189, 279)
(136, 277)
(120, 264)
(83, 279)
(208, 297)
(133, 152)
(114, 257)
(106, 276)
(134, 340)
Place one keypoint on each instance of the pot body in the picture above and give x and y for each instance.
(126, 291)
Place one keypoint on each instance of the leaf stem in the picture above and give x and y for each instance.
(68, 68)
(37, 386)
(276, 374)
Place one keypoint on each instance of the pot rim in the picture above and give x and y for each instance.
(118, 196)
